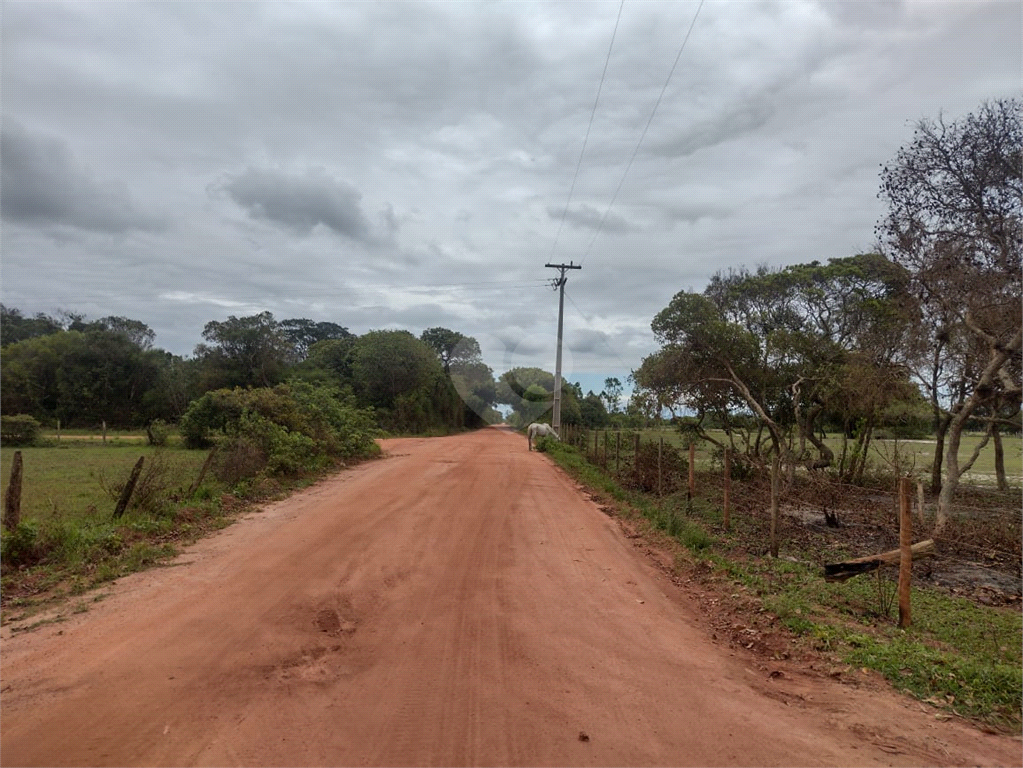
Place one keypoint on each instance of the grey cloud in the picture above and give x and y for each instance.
(42, 183)
(585, 341)
(301, 203)
(587, 217)
(744, 118)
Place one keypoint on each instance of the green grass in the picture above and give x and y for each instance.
(68, 541)
(956, 654)
(65, 482)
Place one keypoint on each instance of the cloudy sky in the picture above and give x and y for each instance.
(409, 165)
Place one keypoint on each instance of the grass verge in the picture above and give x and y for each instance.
(68, 541)
(958, 656)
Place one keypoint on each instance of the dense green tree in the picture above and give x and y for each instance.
(452, 347)
(592, 411)
(303, 334)
(80, 378)
(15, 327)
(135, 331)
(773, 344)
(243, 352)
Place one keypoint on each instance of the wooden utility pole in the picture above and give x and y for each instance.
(559, 283)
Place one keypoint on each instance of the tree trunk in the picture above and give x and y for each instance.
(941, 423)
(999, 356)
(996, 437)
(861, 464)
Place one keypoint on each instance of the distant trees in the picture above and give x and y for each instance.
(955, 223)
(84, 372)
(302, 334)
(243, 352)
(786, 347)
(15, 327)
(85, 377)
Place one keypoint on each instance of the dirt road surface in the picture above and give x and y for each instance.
(458, 602)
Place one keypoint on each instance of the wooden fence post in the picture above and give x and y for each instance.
(104, 430)
(58, 430)
(692, 469)
(12, 501)
(635, 459)
(905, 545)
(618, 450)
(660, 450)
(122, 503)
(596, 446)
(775, 472)
(202, 473)
(920, 502)
(728, 485)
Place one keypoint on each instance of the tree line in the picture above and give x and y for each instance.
(82, 372)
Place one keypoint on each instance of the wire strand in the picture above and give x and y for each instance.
(635, 152)
(586, 138)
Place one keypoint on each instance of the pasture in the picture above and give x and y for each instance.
(68, 539)
(909, 457)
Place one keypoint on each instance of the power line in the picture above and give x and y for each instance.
(643, 135)
(586, 138)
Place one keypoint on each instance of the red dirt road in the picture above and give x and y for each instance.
(458, 602)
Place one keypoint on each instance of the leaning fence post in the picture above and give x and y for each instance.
(12, 501)
(202, 473)
(122, 504)
(905, 545)
(728, 484)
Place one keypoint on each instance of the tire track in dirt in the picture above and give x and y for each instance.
(457, 603)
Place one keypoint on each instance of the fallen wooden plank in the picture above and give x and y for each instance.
(849, 568)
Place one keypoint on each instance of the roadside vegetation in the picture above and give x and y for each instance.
(958, 655)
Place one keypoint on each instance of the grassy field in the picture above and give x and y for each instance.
(914, 457)
(67, 481)
(68, 539)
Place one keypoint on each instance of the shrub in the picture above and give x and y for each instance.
(158, 432)
(19, 430)
(285, 430)
(21, 546)
(238, 458)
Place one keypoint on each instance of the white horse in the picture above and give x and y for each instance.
(536, 430)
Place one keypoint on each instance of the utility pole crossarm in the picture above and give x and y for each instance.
(560, 284)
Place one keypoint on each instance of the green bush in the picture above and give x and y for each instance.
(289, 429)
(19, 430)
(21, 546)
(158, 432)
